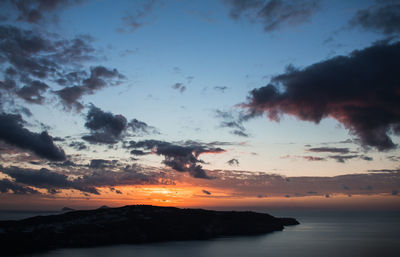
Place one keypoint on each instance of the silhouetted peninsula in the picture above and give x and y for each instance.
(130, 225)
(65, 209)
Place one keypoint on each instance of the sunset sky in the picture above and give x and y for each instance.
(243, 104)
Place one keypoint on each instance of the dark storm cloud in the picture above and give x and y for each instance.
(6, 186)
(107, 128)
(182, 158)
(273, 14)
(383, 16)
(13, 132)
(35, 11)
(361, 91)
(180, 87)
(329, 150)
(233, 162)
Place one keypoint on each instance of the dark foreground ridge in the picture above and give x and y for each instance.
(130, 225)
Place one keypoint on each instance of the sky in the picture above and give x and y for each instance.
(231, 104)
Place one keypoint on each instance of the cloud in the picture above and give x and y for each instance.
(46, 179)
(138, 126)
(139, 152)
(6, 186)
(239, 133)
(221, 89)
(33, 61)
(273, 14)
(107, 128)
(307, 157)
(128, 175)
(99, 78)
(115, 190)
(206, 192)
(383, 17)
(329, 150)
(343, 158)
(233, 162)
(180, 87)
(313, 158)
(366, 158)
(36, 11)
(97, 175)
(39, 55)
(339, 158)
(182, 158)
(78, 145)
(361, 91)
(13, 132)
(32, 93)
(393, 158)
(250, 184)
(234, 120)
(100, 164)
(135, 20)
(385, 171)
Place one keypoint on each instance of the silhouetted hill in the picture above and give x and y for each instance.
(67, 209)
(130, 225)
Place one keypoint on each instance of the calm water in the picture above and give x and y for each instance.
(320, 233)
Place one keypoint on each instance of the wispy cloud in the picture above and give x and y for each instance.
(273, 14)
(382, 16)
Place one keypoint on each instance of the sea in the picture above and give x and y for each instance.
(320, 234)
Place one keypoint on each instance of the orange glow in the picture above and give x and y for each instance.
(186, 195)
